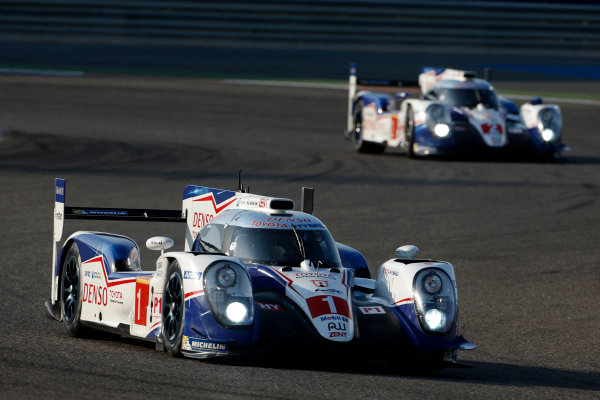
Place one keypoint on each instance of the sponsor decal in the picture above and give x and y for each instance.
(192, 275)
(322, 305)
(92, 274)
(201, 219)
(100, 212)
(270, 306)
(338, 334)
(334, 318)
(320, 283)
(195, 344)
(263, 224)
(115, 297)
(303, 275)
(491, 129)
(287, 219)
(329, 291)
(372, 310)
(388, 271)
(95, 294)
(285, 222)
(262, 203)
(60, 190)
(59, 215)
(336, 326)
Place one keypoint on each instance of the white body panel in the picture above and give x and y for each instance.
(530, 112)
(324, 297)
(395, 279)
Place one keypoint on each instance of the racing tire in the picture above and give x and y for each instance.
(360, 145)
(173, 311)
(410, 132)
(71, 293)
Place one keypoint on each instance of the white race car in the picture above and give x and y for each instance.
(255, 276)
(455, 112)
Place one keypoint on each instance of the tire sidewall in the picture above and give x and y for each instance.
(410, 132)
(173, 347)
(357, 137)
(74, 328)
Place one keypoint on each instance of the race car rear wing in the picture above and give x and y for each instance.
(354, 81)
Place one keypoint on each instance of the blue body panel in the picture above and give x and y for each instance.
(199, 322)
(115, 249)
(381, 100)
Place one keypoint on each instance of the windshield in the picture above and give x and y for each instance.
(469, 97)
(280, 247)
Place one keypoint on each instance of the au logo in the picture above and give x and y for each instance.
(320, 283)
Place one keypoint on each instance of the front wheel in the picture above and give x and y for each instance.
(173, 311)
(70, 292)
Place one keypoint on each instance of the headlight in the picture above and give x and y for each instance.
(435, 300)
(549, 124)
(432, 283)
(226, 276)
(229, 293)
(438, 120)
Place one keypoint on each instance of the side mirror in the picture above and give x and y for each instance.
(159, 243)
(408, 251)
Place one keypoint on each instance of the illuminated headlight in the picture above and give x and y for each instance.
(441, 130)
(549, 123)
(435, 300)
(438, 120)
(229, 293)
(236, 312)
(547, 135)
(435, 319)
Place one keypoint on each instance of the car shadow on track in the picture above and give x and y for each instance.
(478, 372)
(484, 373)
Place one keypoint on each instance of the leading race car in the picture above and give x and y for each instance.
(255, 276)
(456, 112)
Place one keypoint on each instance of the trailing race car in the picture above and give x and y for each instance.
(456, 112)
(255, 276)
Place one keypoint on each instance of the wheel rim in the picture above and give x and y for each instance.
(172, 311)
(70, 289)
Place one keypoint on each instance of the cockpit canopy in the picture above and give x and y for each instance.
(266, 239)
(464, 94)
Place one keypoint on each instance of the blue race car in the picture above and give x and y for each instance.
(255, 276)
(456, 112)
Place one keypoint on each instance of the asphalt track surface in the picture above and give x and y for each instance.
(522, 235)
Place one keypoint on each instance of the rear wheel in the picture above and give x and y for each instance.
(361, 145)
(173, 309)
(70, 292)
